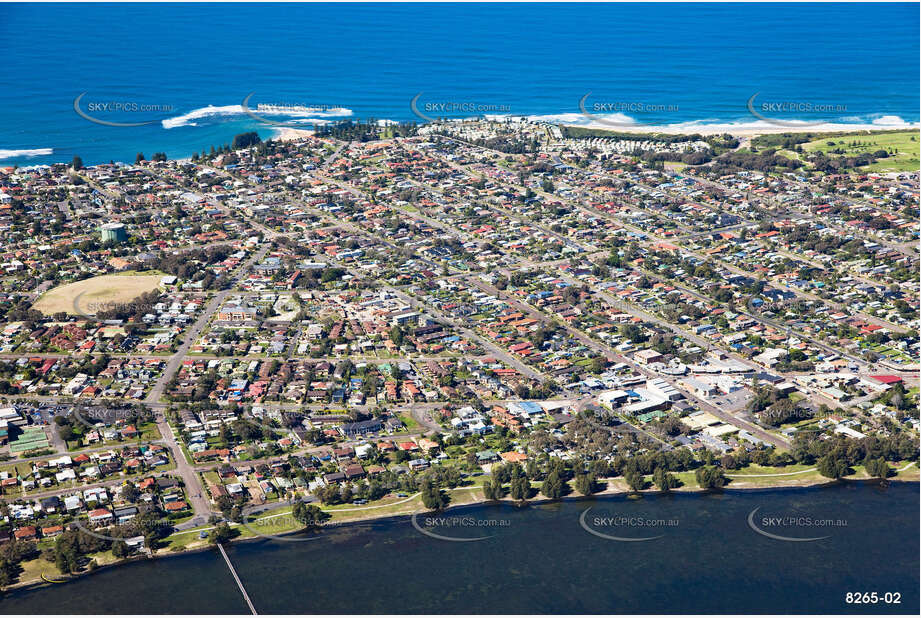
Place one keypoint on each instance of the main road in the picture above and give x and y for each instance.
(172, 366)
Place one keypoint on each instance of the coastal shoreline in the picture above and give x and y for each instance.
(742, 129)
(287, 134)
(611, 492)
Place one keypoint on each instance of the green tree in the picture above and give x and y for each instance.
(221, 533)
(129, 493)
(245, 140)
(710, 477)
(12, 554)
(519, 486)
(552, 487)
(66, 432)
(832, 466)
(585, 484)
(493, 489)
(66, 553)
(663, 479)
(533, 471)
(598, 365)
(396, 335)
(9, 572)
(224, 505)
(635, 479)
(120, 549)
(877, 468)
(309, 515)
(433, 498)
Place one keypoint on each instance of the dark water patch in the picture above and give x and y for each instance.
(706, 558)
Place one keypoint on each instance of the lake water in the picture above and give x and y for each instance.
(704, 557)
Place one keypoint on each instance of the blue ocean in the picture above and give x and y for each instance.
(108, 81)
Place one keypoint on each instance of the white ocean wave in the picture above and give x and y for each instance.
(27, 152)
(878, 119)
(216, 111)
(580, 119)
(613, 121)
(892, 120)
(714, 125)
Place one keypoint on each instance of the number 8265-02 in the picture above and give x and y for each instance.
(872, 598)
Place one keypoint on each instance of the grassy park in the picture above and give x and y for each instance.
(903, 147)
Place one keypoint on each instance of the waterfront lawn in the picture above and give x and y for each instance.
(802, 475)
(911, 473)
(752, 469)
(279, 521)
(187, 539)
(401, 506)
(389, 505)
(32, 570)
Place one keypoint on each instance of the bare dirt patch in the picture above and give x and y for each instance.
(91, 295)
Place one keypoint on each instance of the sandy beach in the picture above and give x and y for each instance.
(742, 129)
(287, 134)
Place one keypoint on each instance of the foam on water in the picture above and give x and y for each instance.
(25, 152)
(217, 111)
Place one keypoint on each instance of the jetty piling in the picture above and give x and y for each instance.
(237, 578)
